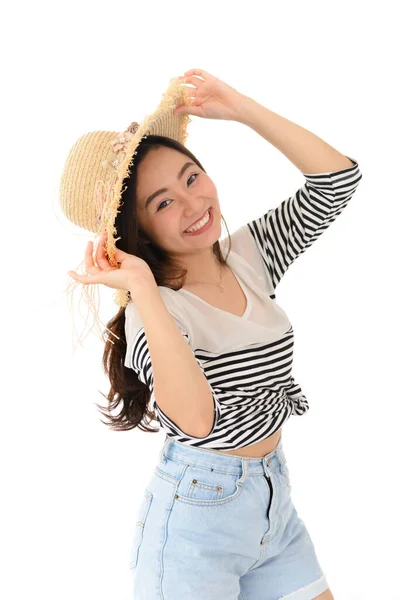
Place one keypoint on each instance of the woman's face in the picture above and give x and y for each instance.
(166, 217)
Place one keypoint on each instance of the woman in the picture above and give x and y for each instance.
(201, 334)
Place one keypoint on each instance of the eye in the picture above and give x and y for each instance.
(159, 205)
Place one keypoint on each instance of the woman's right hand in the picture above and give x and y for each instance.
(133, 274)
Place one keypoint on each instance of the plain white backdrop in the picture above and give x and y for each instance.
(71, 487)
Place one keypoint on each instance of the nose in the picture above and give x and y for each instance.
(193, 207)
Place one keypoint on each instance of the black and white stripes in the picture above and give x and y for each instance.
(248, 360)
(285, 232)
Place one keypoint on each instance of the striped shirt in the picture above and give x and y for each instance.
(247, 360)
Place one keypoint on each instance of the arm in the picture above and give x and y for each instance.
(182, 391)
(305, 150)
(285, 232)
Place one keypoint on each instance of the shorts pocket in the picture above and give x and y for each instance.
(199, 486)
(139, 528)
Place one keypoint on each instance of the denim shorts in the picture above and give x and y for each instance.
(215, 526)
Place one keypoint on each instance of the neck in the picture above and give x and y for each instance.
(211, 275)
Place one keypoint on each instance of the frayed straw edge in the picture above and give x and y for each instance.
(175, 95)
(88, 294)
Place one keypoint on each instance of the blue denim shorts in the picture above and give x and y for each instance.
(215, 526)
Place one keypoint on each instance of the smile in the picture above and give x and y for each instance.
(203, 225)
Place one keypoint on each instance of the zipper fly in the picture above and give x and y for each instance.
(271, 492)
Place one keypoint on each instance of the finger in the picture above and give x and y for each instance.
(101, 259)
(199, 72)
(89, 261)
(195, 81)
(83, 278)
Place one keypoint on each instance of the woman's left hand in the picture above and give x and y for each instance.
(211, 97)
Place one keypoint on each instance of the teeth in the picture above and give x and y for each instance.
(200, 224)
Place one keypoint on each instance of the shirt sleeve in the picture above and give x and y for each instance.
(138, 359)
(285, 232)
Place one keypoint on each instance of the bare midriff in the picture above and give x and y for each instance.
(258, 450)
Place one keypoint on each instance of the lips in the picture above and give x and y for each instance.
(198, 220)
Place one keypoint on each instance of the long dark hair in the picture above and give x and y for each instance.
(127, 391)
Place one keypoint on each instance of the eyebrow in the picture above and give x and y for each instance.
(162, 190)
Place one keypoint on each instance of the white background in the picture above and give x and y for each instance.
(71, 487)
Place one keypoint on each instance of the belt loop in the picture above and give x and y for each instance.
(244, 469)
(280, 455)
(162, 452)
(266, 466)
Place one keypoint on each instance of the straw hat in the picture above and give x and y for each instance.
(97, 164)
